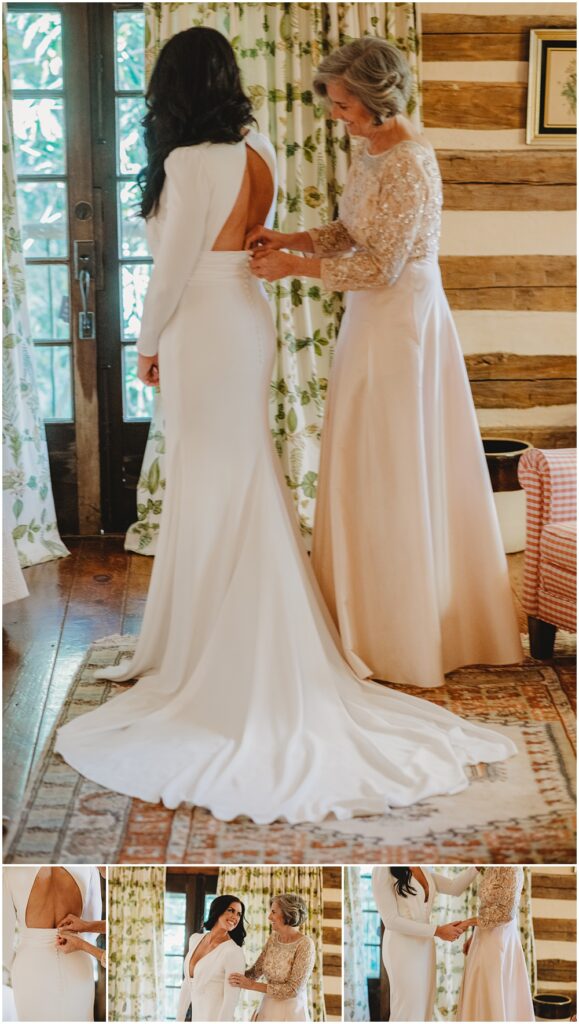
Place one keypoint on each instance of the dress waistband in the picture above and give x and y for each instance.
(38, 936)
(213, 265)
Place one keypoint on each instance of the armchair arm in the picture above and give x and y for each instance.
(550, 481)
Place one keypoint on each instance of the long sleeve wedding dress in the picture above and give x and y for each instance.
(48, 984)
(245, 704)
(408, 948)
(208, 992)
(495, 985)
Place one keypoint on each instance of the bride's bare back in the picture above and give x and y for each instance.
(54, 894)
(251, 206)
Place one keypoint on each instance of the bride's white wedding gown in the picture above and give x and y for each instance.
(244, 703)
(208, 992)
(48, 985)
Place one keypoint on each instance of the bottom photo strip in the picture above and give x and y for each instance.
(289, 943)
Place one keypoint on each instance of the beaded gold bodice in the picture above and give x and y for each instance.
(390, 213)
(499, 895)
(286, 966)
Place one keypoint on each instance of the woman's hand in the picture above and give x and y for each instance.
(68, 942)
(72, 923)
(148, 370)
(270, 265)
(265, 238)
(449, 932)
(240, 981)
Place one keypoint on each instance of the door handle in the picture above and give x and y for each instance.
(84, 263)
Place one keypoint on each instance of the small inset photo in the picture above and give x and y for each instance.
(425, 943)
(53, 950)
(225, 943)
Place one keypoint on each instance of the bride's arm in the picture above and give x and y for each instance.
(235, 963)
(457, 885)
(385, 899)
(185, 993)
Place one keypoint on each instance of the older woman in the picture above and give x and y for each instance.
(286, 962)
(407, 547)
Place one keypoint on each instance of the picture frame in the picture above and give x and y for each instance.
(552, 94)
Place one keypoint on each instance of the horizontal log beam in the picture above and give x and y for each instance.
(539, 437)
(508, 271)
(522, 394)
(549, 300)
(509, 197)
(332, 878)
(333, 910)
(333, 1005)
(331, 936)
(561, 929)
(556, 970)
(525, 167)
(492, 105)
(548, 886)
(475, 46)
(332, 965)
(483, 24)
(506, 366)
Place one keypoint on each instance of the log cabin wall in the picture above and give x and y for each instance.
(508, 237)
(332, 940)
(554, 908)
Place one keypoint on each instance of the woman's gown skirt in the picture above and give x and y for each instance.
(245, 704)
(410, 964)
(284, 1009)
(50, 985)
(495, 986)
(407, 547)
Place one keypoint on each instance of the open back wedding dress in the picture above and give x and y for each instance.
(48, 984)
(244, 703)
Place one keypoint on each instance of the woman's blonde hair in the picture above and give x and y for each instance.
(372, 70)
(294, 908)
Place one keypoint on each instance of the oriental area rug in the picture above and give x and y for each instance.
(521, 811)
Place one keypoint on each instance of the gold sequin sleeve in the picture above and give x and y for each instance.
(256, 970)
(331, 239)
(391, 232)
(301, 967)
(499, 894)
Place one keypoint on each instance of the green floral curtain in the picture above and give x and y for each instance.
(257, 886)
(278, 47)
(136, 944)
(449, 955)
(355, 981)
(28, 503)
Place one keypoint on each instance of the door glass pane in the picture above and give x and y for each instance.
(48, 301)
(39, 135)
(129, 51)
(137, 399)
(53, 374)
(131, 224)
(134, 281)
(35, 46)
(131, 152)
(43, 218)
(175, 938)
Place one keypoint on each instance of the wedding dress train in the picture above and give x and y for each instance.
(244, 703)
(48, 984)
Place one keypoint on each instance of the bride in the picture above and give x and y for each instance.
(212, 957)
(244, 703)
(495, 985)
(48, 985)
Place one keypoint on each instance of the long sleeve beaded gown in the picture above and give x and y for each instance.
(406, 547)
(287, 968)
(408, 947)
(244, 703)
(495, 984)
(48, 984)
(207, 991)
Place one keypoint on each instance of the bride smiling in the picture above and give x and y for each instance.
(212, 956)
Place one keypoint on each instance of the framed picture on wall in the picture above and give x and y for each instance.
(552, 97)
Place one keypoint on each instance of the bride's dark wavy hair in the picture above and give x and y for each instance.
(218, 907)
(403, 878)
(194, 95)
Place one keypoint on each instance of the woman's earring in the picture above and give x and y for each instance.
(378, 119)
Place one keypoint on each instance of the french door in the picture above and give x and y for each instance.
(77, 86)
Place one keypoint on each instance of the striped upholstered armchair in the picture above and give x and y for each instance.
(550, 581)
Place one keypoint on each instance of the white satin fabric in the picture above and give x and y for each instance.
(244, 703)
(208, 992)
(495, 985)
(48, 985)
(408, 946)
